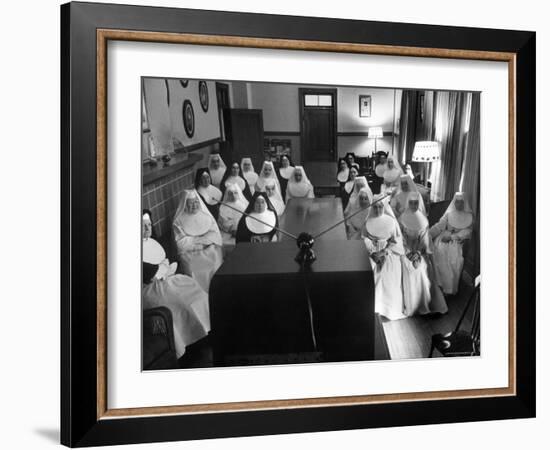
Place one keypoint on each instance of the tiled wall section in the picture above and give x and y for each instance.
(162, 198)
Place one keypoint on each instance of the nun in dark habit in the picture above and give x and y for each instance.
(261, 223)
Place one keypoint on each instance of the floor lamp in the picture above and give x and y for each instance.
(426, 152)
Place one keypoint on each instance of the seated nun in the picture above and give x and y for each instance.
(405, 188)
(197, 238)
(231, 211)
(284, 173)
(299, 185)
(348, 186)
(384, 243)
(210, 194)
(275, 197)
(260, 223)
(185, 299)
(248, 173)
(357, 212)
(267, 173)
(153, 252)
(342, 174)
(350, 160)
(358, 184)
(381, 167)
(454, 227)
(421, 293)
(217, 169)
(234, 175)
(391, 175)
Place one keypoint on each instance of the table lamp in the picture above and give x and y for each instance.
(375, 133)
(426, 152)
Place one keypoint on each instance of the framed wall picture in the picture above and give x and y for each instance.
(365, 105)
(132, 369)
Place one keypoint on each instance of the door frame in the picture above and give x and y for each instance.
(222, 87)
(318, 91)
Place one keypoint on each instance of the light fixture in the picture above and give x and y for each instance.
(375, 133)
(426, 152)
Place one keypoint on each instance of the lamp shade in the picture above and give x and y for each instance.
(426, 151)
(375, 132)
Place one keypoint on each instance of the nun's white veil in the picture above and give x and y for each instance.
(239, 202)
(391, 175)
(275, 197)
(299, 188)
(216, 175)
(353, 204)
(262, 178)
(381, 226)
(358, 220)
(194, 224)
(459, 219)
(250, 175)
(404, 195)
(413, 220)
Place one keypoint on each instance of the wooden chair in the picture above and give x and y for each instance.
(461, 342)
(159, 350)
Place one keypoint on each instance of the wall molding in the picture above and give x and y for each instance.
(362, 133)
(281, 133)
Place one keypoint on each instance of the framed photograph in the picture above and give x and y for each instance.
(365, 105)
(236, 291)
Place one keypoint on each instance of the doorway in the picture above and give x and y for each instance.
(222, 95)
(318, 117)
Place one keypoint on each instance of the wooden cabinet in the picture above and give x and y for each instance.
(244, 131)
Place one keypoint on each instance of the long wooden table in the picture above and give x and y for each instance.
(313, 215)
(259, 307)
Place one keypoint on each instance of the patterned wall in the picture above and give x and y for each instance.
(162, 198)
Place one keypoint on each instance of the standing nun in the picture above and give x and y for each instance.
(454, 227)
(210, 194)
(197, 238)
(261, 223)
(248, 173)
(391, 175)
(217, 169)
(405, 188)
(284, 172)
(267, 173)
(234, 175)
(355, 223)
(275, 197)
(384, 243)
(299, 185)
(421, 295)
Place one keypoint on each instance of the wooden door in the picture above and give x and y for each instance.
(318, 124)
(245, 135)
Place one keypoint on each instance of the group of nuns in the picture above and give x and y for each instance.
(209, 220)
(414, 264)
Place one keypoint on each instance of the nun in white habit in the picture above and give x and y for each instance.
(260, 223)
(231, 211)
(391, 175)
(454, 227)
(384, 243)
(421, 294)
(198, 239)
(347, 188)
(355, 223)
(267, 173)
(249, 174)
(405, 188)
(153, 252)
(275, 197)
(358, 184)
(299, 185)
(185, 299)
(217, 169)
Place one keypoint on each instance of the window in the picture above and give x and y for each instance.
(317, 100)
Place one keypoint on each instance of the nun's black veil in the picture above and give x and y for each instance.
(198, 176)
(246, 191)
(214, 209)
(243, 233)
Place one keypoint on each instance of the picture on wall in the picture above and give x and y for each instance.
(365, 105)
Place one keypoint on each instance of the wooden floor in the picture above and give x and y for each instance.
(411, 338)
